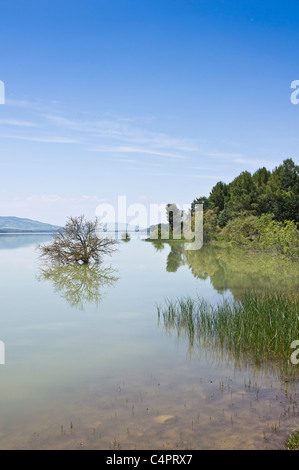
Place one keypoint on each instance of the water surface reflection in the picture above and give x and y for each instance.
(113, 379)
(79, 284)
(233, 269)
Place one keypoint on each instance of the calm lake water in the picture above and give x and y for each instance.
(89, 366)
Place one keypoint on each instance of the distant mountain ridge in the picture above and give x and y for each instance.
(12, 224)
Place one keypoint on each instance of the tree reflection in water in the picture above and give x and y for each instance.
(79, 284)
(234, 269)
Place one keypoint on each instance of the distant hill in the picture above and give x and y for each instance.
(17, 224)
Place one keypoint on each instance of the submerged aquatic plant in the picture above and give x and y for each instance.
(260, 327)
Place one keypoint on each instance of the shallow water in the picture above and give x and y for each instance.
(87, 364)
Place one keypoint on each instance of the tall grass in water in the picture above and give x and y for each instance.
(260, 327)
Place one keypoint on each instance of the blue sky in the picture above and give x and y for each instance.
(154, 100)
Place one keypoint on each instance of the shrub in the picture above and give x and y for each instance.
(242, 230)
(282, 237)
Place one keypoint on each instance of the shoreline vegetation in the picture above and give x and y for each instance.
(257, 329)
(259, 212)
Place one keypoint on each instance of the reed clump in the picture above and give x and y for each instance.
(261, 326)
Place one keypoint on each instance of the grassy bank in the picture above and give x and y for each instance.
(259, 328)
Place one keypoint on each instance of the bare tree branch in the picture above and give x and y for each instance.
(77, 242)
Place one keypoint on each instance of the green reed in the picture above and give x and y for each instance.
(261, 325)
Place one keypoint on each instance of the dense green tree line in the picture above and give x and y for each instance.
(264, 192)
(260, 210)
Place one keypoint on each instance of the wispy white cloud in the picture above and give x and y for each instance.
(207, 177)
(39, 105)
(241, 158)
(141, 163)
(126, 130)
(43, 198)
(120, 136)
(49, 140)
(126, 160)
(97, 127)
(256, 162)
(14, 122)
(18, 103)
(226, 155)
(56, 198)
(139, 150)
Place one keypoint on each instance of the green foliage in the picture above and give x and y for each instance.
(264, 192)
(174, 218)
(258, 328)
(210, 228)
(264, 233)
(218, 197)
(200, 200)
(242, 194)
(292, 442)
(174, 259)
(126, 237)
(261, 177)
(223, 217)
(282, 237)
(242, 230)
(261, 210)
(160, 233)
(282, 192)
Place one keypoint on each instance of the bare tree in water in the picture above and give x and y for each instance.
(78, 242)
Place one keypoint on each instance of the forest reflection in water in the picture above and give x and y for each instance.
(258, 278)
(233, 268)
(79, 284)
